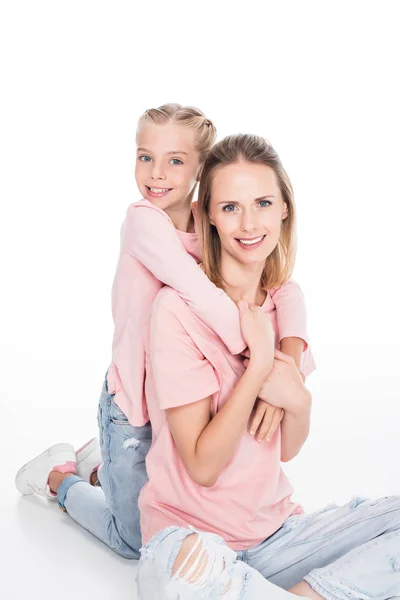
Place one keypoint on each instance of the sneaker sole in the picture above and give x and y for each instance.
(36, 463)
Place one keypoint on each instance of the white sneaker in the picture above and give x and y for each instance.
(33, 477)
(88, 458)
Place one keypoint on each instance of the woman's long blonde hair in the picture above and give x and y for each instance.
(256, 150)
(188, 116)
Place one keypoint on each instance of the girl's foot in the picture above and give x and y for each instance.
(88, 460)
(33, 477)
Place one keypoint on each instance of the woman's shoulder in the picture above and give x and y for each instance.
(169, 300)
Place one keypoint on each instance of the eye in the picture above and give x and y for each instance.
(144, 158)
(176, 161)
(264, 203)
(229, 208)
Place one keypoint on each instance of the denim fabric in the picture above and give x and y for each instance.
(344, 553)
(111, 511)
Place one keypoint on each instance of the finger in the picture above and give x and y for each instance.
(261, 409)
(246, 362)
(266, 424)
(277, 419)
(246, 353)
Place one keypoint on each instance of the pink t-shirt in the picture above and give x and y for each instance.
(154, 253)
(186, 362)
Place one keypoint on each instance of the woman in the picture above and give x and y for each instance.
(216, 515)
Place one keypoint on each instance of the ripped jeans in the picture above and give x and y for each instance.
(350, 552)
(110, 512)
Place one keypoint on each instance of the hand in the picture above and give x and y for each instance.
(266, 419)
(258, 334)
(283, 387)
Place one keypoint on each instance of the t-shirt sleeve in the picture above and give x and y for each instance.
(290, 311)
(292, 319)
(151, 238)
(182, 374)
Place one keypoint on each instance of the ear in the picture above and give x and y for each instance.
(211, 219)
(285, 212)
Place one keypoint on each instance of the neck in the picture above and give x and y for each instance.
(181, 214)
(242, 282)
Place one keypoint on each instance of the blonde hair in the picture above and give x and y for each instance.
(252, 149)
(188, 116)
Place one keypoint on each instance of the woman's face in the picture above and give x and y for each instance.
(247, 209)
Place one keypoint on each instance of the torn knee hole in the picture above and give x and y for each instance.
(196, 565)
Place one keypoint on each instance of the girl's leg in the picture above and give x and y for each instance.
(309, 542)
(186, 565)
(110, 512)
(123, 472)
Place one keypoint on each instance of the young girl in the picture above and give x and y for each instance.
(217, 516)
(158, 245)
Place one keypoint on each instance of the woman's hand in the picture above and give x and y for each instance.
(265, 420)
(258, 334)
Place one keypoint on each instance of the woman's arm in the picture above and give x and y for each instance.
(185, 380)
(285, 389)
(151, 238)
(206, 445)
(295, 426)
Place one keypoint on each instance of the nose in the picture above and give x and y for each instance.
(248, 222)
(157, 172)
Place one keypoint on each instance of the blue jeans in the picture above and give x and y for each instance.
(344, 553)
(111, 511)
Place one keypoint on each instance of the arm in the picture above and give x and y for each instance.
(153, 240)
(293, 347)
(295, 427)
(291, 317)
(285, 389)
(185, 380)
(206, 445)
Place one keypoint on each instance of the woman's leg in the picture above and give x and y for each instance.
(310, 546)
(185, 564)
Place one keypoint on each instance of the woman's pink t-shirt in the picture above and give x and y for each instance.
(186, 362)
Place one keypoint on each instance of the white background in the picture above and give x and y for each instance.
(319, 79)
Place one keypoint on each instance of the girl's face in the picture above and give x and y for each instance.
(247, 209)
(167, 163)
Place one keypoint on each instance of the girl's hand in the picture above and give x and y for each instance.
(258, 334)
(265, 420)
(284, 385)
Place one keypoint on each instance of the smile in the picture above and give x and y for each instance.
(250, 244)
(157, 192)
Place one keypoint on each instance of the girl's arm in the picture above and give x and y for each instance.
(293, 347)
(285, 389)
(292, 320)
(152, 239)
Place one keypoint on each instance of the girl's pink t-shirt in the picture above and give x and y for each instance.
(154, 253)
(185, 362)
